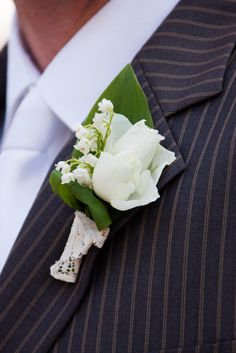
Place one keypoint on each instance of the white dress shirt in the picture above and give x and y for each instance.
(43, 108)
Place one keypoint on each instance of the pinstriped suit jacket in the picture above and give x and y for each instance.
(165, 279)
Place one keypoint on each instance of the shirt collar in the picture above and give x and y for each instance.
(89, 61)
(21, 72)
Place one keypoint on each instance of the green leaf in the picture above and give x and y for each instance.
(73, 194)
(76, 154)
(128, 98)
(96, 207)
(55, 181)
(62, 190)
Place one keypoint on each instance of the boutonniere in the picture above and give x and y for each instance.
(115, 166)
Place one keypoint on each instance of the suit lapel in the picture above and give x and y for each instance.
(34, 307)
(185, 60)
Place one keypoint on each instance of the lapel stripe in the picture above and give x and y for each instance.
(135, 279)
(154, 110)
(183, 129)
(229, 184)
(176, 35)
(191, 151)
(187, 239)
(179, 89)
(205, 239)
(151, 271)
(194, 77)
(194, 95)
(210, 191)
(86, 322)
(169, 248)
(119, 288)
(205, 10)
(205, 233)
(165, 310)
(185, 50)
(199, 24)
(179, 76)
(186, 247)
(181, 64)
(103, 298)
(71, 335)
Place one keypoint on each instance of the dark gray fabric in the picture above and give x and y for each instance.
(165, 279)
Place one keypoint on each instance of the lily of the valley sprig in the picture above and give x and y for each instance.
(91, 142)
(117, 161)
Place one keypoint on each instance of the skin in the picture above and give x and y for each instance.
(47, 25)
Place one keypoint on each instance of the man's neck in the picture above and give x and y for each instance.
(46, 26)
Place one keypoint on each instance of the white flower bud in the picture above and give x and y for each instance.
(93, 144)
(89, 159)
(105, 106)
(83, 146)
(80, 131)
(100, 121)
(83, 176)
(63, 167)
(67, 178)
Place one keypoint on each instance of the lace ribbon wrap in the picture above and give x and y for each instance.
(84, 233)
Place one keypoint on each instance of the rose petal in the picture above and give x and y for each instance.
(116, 176)
(141, 140)
(119, 125)
(162, 158)
(145, 193)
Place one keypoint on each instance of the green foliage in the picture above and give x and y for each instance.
(63, 191)
(97, 208)
(128, 98)
(75, 195)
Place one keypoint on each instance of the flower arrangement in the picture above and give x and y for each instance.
(119, 162)
(115, 166)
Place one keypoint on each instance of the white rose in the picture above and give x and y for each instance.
(128, 170)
